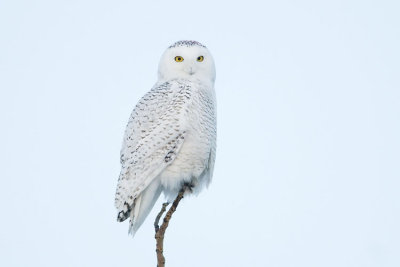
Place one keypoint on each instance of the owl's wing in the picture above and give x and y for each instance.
(153, 137)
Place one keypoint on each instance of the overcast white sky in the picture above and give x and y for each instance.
(307, 171)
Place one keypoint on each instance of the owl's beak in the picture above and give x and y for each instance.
(190, 70)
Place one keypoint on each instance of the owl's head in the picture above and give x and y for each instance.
(187, 60)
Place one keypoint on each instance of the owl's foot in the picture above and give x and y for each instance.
(187, 188)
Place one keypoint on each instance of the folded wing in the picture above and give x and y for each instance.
(153, 137)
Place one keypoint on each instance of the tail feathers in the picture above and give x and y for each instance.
(143, 205)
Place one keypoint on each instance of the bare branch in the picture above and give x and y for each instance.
(160, 231)
(156, 222)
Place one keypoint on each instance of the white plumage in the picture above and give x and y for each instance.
(170, 138)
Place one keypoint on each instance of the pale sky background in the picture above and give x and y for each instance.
(307, 170)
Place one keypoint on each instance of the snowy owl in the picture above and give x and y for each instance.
(170, 138)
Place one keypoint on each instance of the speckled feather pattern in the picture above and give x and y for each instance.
(169, 115)
(170, 138)
(186, 43)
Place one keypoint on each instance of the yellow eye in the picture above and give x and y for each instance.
(200, 58)
(178, 59)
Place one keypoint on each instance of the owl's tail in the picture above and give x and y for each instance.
(143, 205)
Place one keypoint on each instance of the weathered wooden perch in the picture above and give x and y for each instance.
(160, 231)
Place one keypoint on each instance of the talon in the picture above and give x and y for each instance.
(188, 187)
